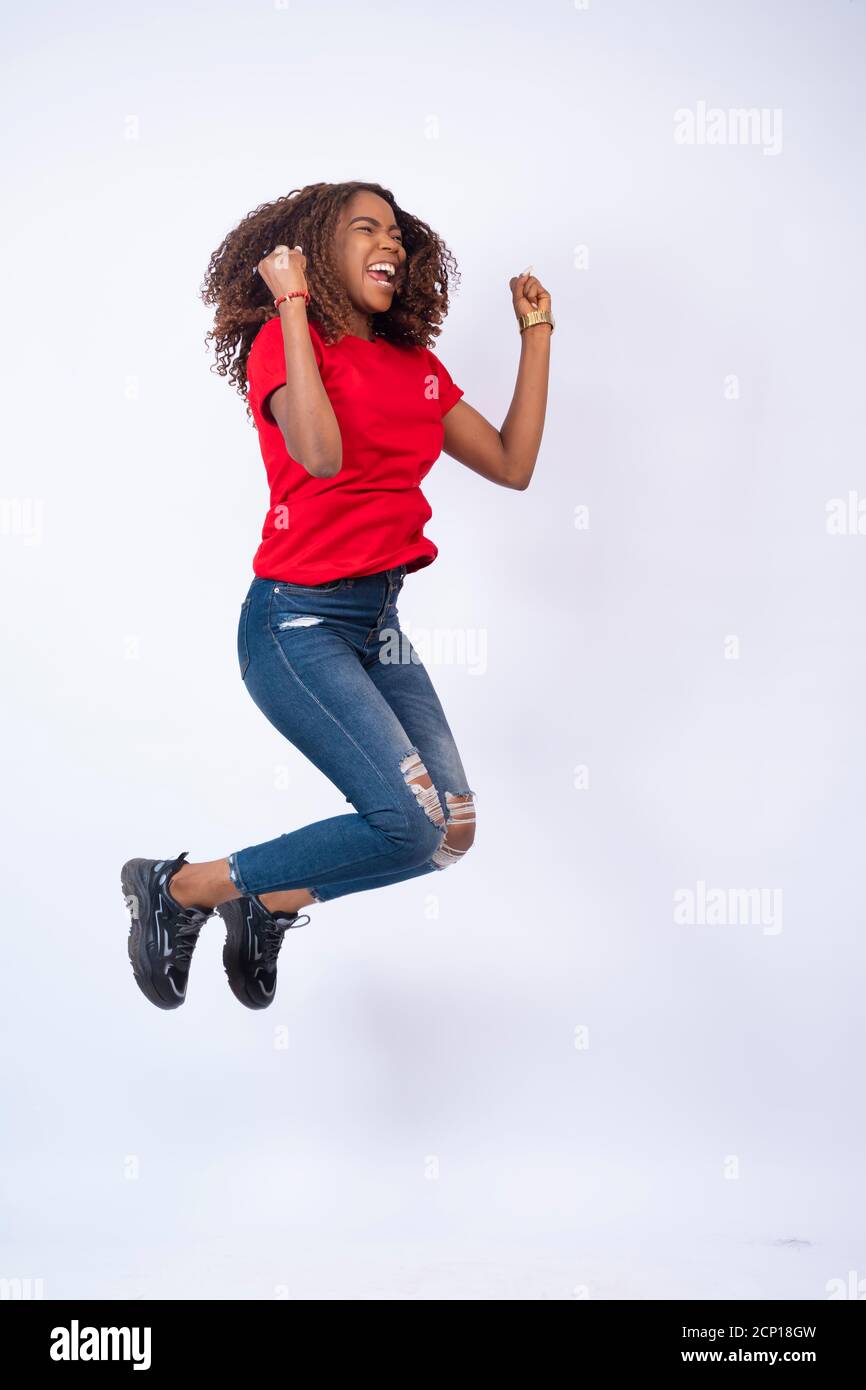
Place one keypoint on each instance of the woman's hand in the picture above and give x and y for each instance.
(284, 270)
(528, 293)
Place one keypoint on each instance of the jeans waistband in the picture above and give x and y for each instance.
(391, 575)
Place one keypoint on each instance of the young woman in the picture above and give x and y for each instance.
(328, 341)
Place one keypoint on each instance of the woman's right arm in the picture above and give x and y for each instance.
(301, 408)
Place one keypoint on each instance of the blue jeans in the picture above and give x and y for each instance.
(329, 667)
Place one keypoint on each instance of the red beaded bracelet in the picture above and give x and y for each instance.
(292, 294)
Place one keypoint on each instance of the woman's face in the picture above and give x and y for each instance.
(367, 235)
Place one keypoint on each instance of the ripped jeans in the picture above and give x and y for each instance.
(329, 667)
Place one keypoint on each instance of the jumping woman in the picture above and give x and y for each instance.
(326, 301)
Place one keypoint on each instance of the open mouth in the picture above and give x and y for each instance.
(382, 273)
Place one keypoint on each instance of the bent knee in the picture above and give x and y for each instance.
(454, 826)
(459, 829)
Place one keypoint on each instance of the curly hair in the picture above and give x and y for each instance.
(309, 217)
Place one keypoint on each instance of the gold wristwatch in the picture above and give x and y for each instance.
(536, 316)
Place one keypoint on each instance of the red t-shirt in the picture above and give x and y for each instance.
(389, 402)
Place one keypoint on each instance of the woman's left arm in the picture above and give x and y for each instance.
(507, 456)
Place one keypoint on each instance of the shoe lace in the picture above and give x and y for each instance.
(274, 932)
(188, 923)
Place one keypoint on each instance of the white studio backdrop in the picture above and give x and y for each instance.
(618, 1052)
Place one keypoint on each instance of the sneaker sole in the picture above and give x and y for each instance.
(231, 963)
(133, 881)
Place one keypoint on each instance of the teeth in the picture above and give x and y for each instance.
(384, 265)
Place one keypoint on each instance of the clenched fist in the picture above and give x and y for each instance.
(528, 293)
(284, 271)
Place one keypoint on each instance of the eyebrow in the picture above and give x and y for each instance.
(375, 221)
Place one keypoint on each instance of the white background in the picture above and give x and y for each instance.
(430, 1129)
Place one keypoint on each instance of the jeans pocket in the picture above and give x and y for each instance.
(243, 645)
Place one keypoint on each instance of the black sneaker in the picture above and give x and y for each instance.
(253, 940)
(162, 935)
